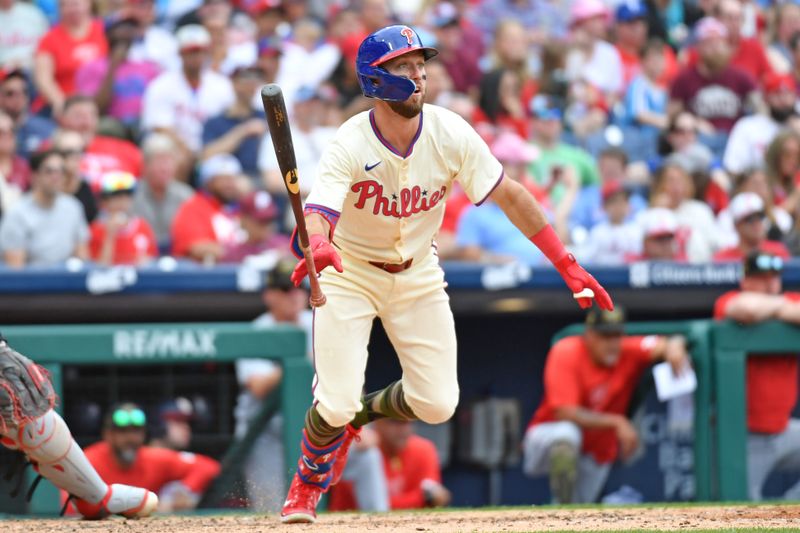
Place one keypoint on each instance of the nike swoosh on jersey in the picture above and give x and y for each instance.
(370, 167)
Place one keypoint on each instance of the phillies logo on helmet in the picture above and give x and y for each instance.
(408, 33)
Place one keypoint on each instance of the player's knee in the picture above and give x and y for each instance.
(435, 410)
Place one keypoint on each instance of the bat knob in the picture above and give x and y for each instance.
(317, 301)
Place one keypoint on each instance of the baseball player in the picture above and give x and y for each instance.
(29, 424)
(372, 214)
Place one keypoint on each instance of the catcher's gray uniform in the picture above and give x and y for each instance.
(25, 390)
(29, 424)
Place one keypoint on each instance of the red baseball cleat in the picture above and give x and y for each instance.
(300, 506)
(351, 434)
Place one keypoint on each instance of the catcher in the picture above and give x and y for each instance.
(29, 423)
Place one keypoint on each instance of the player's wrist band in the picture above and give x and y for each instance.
(548, 242)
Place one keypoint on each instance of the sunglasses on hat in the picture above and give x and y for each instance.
(124, 418)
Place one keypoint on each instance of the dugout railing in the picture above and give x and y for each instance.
(55, 347)
(732, 344)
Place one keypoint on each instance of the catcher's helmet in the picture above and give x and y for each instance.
(379, 47)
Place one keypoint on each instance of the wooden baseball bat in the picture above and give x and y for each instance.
(281, 133)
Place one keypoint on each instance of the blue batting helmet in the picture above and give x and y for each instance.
(378, 48)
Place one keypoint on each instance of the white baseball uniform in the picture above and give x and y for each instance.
(389, 207)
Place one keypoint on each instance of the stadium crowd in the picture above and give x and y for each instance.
(649, 129)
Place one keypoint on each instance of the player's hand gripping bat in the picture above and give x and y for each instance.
(275, 108)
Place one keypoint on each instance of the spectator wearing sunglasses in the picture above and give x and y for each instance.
(178, 477)
(773, 441)
(749, 219)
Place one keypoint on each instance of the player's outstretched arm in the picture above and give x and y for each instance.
(524, 212)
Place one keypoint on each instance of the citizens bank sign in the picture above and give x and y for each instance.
(165, 343)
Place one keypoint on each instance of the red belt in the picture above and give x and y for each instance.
(392, 268)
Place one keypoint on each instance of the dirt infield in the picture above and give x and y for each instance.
(532, 520)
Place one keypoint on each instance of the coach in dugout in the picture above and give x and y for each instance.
(773, 441)
(180, 478)
(581, 426)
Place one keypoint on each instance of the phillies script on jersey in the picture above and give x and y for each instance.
(409, 202)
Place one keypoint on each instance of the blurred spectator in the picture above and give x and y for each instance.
(179, 478)
(484, 235)
(118, 237)
(32, 130)
(540, 20)
(309, 137)
(511, 51)
(269, 61)
(612, 241)
(14, 169)
(307, 46)
(45, 227)
(580, 429)
(783, 169)
(206, 222)
(177, 103)
(173, 429)
(264, 468)
(747, 53)
(375, 14)
(717, 92)
(786, 22)
(752, 134)
(76, 40)
(412, 470)
(645, 100)
(238, 130)
(151, 42)
(345, 79)
(101, 153)
(612, 165)
(661, 237)
(439, 89)
(70, 145)
(555, 155)
(257, 217)
(232, 45)
(674, 189)
(670, 20)
(594, 67)
(778, 221)
(773, 440)
(680, 139)
(268, 16)
(159, 194)
(118, 82)
(749, 217)
(461, 62)
(21, 26)
(630, 32)
(500, 102)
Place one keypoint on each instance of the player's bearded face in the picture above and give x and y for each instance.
(411, 66)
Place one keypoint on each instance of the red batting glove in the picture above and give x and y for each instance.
(576, 278)
(324, 255)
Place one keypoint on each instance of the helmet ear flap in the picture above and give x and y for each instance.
(378, 83)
